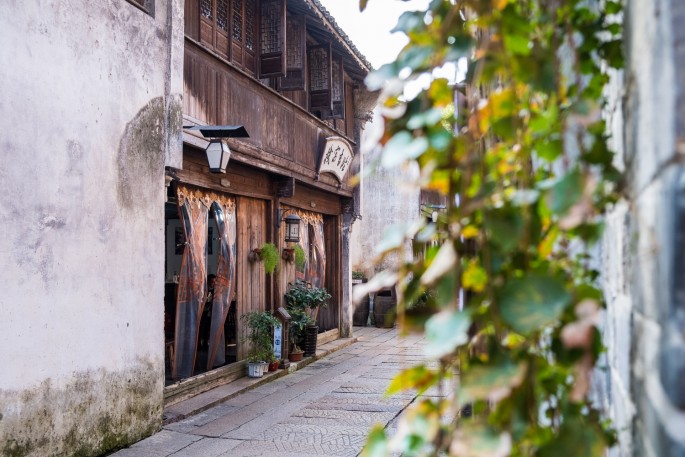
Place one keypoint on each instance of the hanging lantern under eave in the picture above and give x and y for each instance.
(218, 154)
(292, 228)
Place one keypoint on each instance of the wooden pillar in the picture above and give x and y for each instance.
(346, 307)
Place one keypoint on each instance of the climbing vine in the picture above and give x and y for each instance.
(519, 153)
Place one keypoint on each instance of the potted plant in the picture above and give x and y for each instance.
(259, 335)
(268, 254)
(273, 363)
(294, 254)
(303, 304)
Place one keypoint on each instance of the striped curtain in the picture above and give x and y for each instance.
(224, 213)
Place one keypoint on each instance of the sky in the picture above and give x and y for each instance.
(370, 30)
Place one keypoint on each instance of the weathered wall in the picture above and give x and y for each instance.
(644, 386)
(90, 98)
(388, 198)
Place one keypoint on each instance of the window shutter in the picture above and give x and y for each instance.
(337, 90)
(214, 25)
(296, 40)
(272, 27)
(243, 34)
(320, 77)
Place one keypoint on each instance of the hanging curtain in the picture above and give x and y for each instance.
(307, 219)
(224, 213)
(317, 256)
(301, 272)
(193, 210)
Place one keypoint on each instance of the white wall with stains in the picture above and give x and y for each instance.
(90, 96)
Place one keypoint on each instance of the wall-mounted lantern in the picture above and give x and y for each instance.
(292, 226)
(217, 151)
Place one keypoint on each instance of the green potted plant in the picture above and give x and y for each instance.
(260, 327)
(267, 253)
(295, 254)
(303, 304)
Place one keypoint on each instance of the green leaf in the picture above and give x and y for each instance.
(532, 302)
(415, 57)
(403, 146)
(479, 382)
(566, 192)
(376, 79)
(445, 331)
(376, 443)
(505, 227)
(517, 44)
(418, 377)
(425, 118)
(409, 20)
(549, 149)
(575, 438)
(474, 277)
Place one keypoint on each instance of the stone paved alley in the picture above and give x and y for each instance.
(326, 408)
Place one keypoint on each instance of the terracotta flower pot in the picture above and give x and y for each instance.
(295, 356)
(273, 366)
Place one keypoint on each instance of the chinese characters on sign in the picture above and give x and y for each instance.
(337, 157)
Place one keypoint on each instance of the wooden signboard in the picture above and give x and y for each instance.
(336, 158)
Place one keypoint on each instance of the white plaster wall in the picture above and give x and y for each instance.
(388, 197)
(90, 97)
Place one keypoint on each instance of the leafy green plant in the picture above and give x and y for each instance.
(520, 154)
(260, 327)
(300, 257)
(358, 275)
(303, 305)
(269, 255)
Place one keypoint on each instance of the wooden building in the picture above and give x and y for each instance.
(284, 71)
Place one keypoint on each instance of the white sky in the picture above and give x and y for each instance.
(370, 30)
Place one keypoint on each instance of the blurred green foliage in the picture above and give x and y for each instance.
(519, 151)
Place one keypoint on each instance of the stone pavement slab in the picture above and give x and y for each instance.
(326, 407)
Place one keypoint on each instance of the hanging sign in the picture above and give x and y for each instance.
(278, 341)
(336, 158)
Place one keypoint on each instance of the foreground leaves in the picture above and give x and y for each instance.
(517, 155)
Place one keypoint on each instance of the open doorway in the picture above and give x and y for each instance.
(199, 298)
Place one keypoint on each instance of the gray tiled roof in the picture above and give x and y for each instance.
(341, 33)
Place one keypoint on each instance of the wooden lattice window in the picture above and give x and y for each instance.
(243, 36)
(214, 25)
(272, 26)
(320, 78)
(296, 30)
(337, 90)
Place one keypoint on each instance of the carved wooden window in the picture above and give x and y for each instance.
(272, 26)
(320, 78)
(296, 40)
(214, 25)
(243, 36)
(337, 90)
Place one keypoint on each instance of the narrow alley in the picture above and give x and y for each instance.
(326, 408)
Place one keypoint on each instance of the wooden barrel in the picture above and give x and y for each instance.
(385, 307)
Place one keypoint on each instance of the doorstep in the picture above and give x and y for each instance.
(205, 400)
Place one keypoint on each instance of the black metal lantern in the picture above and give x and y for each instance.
(217, 151)
(292, 228)
(218, 154)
